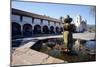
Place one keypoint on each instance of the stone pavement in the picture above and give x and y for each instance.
(26, 56)
(84, 36)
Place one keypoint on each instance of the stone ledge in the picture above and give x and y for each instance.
(30, 57)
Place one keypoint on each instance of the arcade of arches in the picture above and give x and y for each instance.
(27, 29)
(45, 29)
(37, 29)
(16, 29)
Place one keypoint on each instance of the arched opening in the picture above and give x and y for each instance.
(45, 29)
(57, 30)
(37, 29)
(52, 30)
(27, 30)
(16, 29)
(61, 29)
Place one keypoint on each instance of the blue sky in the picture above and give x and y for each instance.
(56, 10)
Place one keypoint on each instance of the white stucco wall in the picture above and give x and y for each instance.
(27, 20)
(81, 27)
(51, 23)
(45, 22)
(15, 18)
(57, 25)
(37, 21)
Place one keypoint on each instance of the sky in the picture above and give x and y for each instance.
(57, 10)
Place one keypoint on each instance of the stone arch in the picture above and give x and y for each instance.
(16, 29)
(61, 29)
(52, 30)
(57, 30)
(45, 29)
(37, 29)
(27, 30)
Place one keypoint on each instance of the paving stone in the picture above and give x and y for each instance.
(52, 60)
(26, 56)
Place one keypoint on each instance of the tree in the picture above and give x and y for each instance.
(61, 18)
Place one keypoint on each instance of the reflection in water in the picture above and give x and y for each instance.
(91, 45)
(81, 47)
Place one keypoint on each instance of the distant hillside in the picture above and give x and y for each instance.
(91, 28)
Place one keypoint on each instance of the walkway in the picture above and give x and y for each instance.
(83, 36)
(26, 56)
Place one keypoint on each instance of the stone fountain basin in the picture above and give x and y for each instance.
(41, 46)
